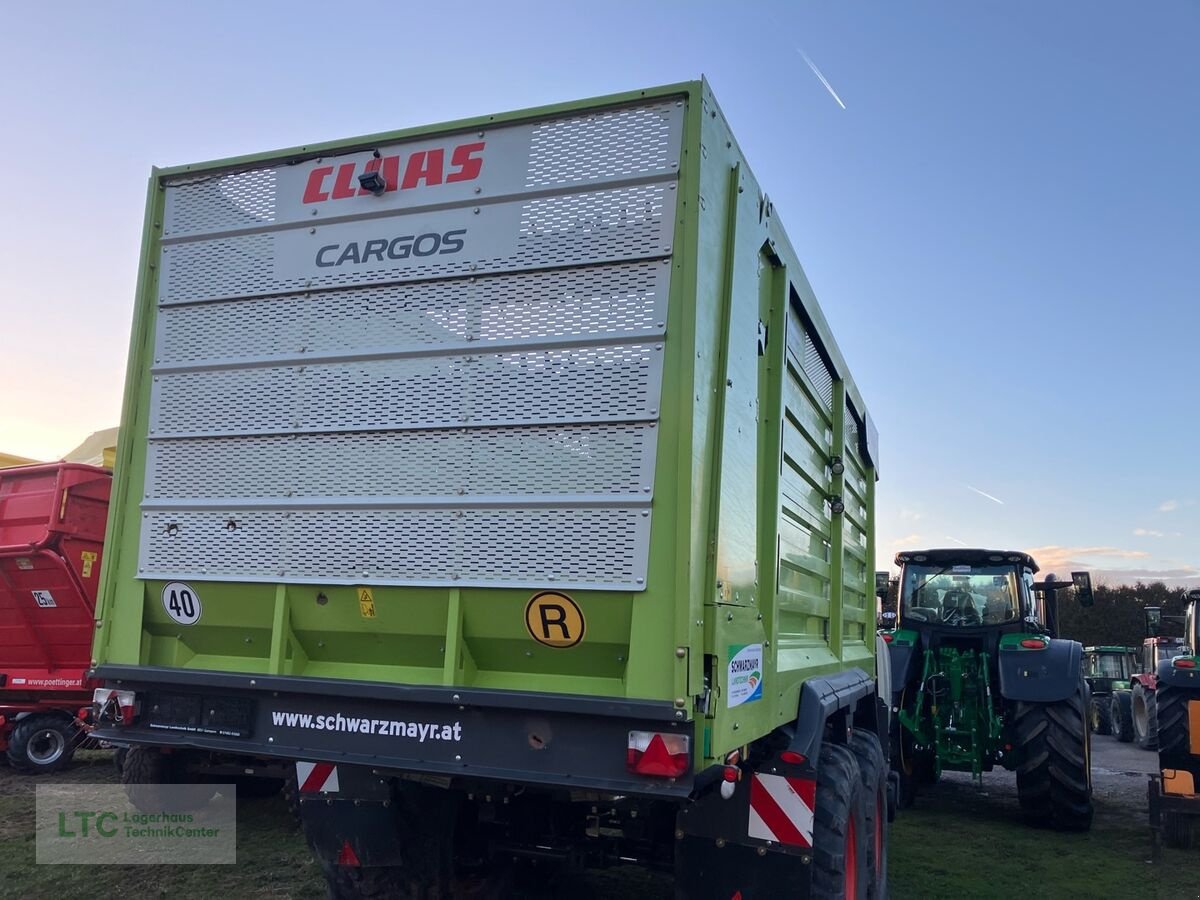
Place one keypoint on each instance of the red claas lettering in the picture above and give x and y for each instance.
(420, 168)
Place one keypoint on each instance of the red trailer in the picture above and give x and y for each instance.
(52, 521)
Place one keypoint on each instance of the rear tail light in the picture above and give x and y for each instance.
(110, 705)
(658, 753)
(1033, 644)
(1183, 662)
(887, 638)
(792, 758)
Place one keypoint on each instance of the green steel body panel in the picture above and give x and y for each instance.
(744, 549)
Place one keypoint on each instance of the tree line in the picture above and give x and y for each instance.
(1116, 617)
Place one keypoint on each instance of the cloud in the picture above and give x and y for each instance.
(908, 541)
(1168, 506)
(910, 515)
(1053, 557)
(1148, 532)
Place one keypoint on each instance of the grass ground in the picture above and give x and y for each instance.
(955, 844)
(958, 844)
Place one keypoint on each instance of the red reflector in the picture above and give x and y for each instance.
(348, 857)
(792, 757)
(887, 638)
(652, 753)
(730, 773)
(1033, 644)
(1008, 746)
(1185, 663)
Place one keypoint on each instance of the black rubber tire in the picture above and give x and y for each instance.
(119, 754)
(1145, 718)
(1100, 715)
(147, 770)
(1170, 706)
(1177, 831)
(42, 744)
(839, 820)
(1121, 716)
(873, 767)
(1054, 784)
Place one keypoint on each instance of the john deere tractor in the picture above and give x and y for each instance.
(1107, 669)
(980, 678)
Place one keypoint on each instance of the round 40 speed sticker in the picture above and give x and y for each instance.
(181, 602)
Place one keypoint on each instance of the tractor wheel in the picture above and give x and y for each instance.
(839, 827)
(1100, 715)
(873, 768)
(1054, 782)
(1145, 717)
(157, 782)
(1171, 708)
(1121, 715)
(42, 744)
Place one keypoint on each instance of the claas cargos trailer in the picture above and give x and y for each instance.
(506, 476)
(52, 519)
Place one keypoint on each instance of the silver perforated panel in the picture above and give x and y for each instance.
(580, 548)
(629, 299)
(613, 460)
(324, 411)
(563, 230)
(591, 149)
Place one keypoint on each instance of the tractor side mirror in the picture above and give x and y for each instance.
(1153, 621)
(1192, 596)
(1083, 588)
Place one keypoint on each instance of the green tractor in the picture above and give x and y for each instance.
(1107, 670)
(980, 678)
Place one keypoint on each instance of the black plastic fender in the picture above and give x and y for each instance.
(1041, 676)
(906, 660)
(1170, 675)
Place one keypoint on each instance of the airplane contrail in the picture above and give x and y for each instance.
(812, 65)
(984, 494)
(956, 540)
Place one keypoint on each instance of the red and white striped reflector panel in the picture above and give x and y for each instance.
(781, 809)
(316, 777)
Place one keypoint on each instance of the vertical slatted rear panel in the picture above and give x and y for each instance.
(804, 530)
(858, 578)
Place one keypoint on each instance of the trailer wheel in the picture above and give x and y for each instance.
(1177, 831)
(1100, 715)
(1145, 717)
(291, 794)
(43, 744)
(1121, 715)
(119, 755)
(839, 827)
(147, 771)
(873, 767)
(1054, 782)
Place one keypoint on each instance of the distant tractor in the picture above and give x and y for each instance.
(1134, 712)
(1106, 669)
(981, 679)
(1174, 801)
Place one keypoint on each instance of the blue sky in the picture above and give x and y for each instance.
(1002, 224)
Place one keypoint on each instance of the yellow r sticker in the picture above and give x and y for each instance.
(88, 558)
(366, 602)
(555, 620)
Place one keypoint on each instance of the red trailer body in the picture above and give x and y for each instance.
(52, 521)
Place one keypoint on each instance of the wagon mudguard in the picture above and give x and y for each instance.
(1041, 676)
(1170, 675)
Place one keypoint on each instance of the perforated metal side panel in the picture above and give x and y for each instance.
(454, 383)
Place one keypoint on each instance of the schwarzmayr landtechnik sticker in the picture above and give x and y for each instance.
(745, 674)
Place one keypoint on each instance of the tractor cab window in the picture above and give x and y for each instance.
(1109, 665)
(964, 596)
